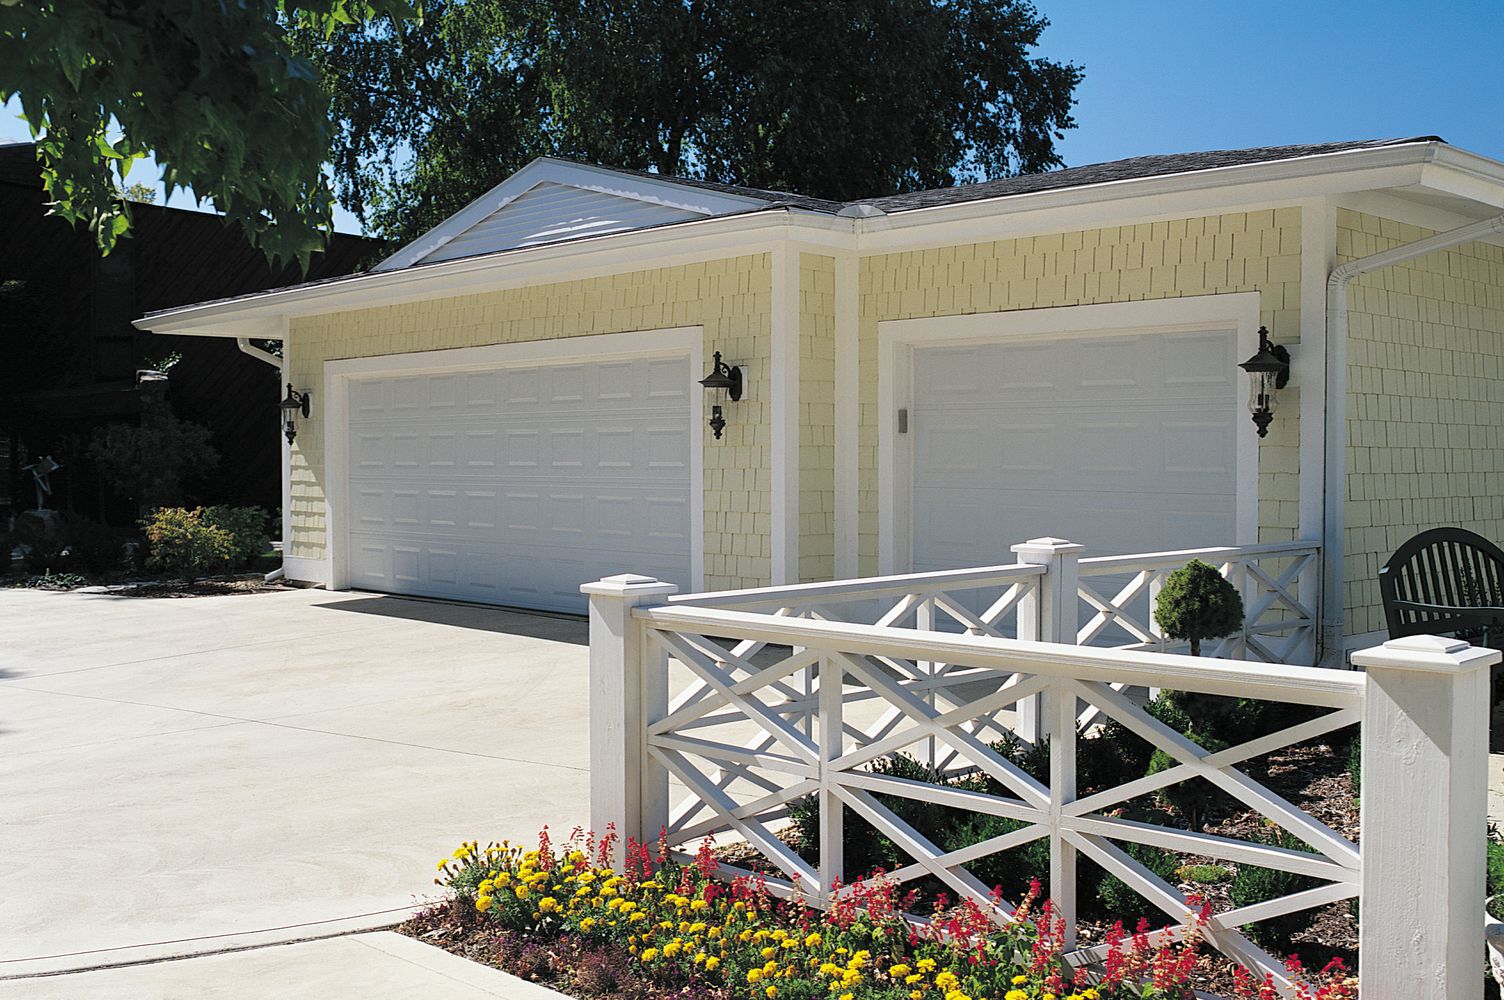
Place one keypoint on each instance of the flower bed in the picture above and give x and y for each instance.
(654, 928)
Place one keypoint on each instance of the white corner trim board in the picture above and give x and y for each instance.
(898, 340)
(677, 342)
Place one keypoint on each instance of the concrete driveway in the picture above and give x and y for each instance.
(188, 775)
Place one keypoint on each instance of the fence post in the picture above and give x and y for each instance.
(628, 692)
(1049, 614)
(1425, 813)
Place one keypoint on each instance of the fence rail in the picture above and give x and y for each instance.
(784, 703)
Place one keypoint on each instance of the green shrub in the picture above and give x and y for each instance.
(150, 461)
(1494, 882)
(1195, 603)
(247, 528)
(1195, 799)
(1118, 901)
(72, 543)
(185, 545)
(1253, 885)
(1203, 874)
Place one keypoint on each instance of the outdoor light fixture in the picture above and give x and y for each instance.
(725, 377)
(291, 404)
(1270, 371)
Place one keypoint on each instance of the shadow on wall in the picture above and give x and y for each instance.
(573, 629)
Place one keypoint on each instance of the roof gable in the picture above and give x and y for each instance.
(551, 200)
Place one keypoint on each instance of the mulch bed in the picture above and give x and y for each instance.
(201, 588)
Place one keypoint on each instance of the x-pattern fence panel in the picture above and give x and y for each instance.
(1278, 583)
(752, 736)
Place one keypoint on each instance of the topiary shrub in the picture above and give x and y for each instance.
(1197, 603)
(184, 544)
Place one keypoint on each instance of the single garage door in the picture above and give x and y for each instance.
(1122, 443)
(514, 486)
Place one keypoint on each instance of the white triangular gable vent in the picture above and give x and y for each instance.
(552, 200)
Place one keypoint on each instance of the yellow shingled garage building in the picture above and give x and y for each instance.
(512, 404)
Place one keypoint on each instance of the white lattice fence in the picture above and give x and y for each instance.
(1279, 584)
(745, 740)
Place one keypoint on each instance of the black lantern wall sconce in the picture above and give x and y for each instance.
(1270, 371)
(727, 378)
(291, 404)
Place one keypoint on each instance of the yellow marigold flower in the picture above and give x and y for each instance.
(648, 954)
(521, 892)
(812, 939)
(1015, 994)
(484, 903)
(698, 904)
(911, 979)
(711, 962)
(1091, 994)
(898, 971)
(769, 952)
(771, 991)
(639, 915)
(925, 965)
(442, 863)
(1020, 980)
(915, 994)
(504, 879)
(846, 996)
(697, 928)
(548, 904)
(587, 923)
(753, 975)
(946, 981)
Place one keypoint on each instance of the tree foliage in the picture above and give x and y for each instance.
(839, 100)
(1196, 602)
(213, 91)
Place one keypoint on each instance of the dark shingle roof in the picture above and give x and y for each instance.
(1121, 170)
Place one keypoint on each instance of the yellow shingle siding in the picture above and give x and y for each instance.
(1425, 400)
(817, 417)
(1241, 252)
(730, 298)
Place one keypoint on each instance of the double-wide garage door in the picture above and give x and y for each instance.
(1123, 443)
(514, 486)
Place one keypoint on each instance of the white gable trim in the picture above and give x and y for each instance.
(656, 191)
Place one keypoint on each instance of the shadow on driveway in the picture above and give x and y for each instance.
(573, 629)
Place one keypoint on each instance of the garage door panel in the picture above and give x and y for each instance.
(1123, 443)
(517, 485)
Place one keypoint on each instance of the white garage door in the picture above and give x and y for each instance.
(1122, 443)
(514, 486)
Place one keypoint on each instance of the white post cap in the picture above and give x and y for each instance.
(1046, 546)
(1430, 653)
(628, 585)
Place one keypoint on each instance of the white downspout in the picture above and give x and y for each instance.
(1334, 490)
(246, 347)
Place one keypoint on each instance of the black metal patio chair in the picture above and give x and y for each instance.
(1446, 581)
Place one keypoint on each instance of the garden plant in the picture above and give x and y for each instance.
(654, 926)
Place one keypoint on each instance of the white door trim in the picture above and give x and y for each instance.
(897, 340)
(670, 342)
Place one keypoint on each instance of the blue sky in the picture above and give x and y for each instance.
(1173, 75)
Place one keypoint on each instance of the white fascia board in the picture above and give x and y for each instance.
(545, 169)
(1222, 189)
(611, 253)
